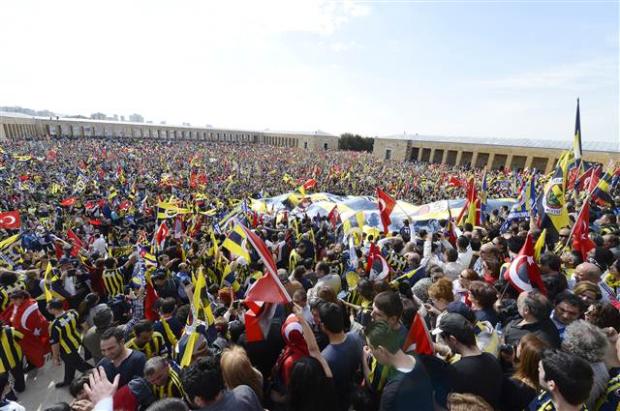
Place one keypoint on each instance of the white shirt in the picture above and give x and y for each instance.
(100, 246)
(12, 406)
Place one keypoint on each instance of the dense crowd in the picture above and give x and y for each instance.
(116, 263)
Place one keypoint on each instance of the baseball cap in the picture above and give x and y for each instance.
(456, 325)
(460, 307)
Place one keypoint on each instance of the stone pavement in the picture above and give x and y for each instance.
(40, 391)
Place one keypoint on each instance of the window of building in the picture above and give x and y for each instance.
(388, 154)
(305, 144)
(325, 146)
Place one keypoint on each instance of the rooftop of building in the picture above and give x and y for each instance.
(11, 114)
(586, 144)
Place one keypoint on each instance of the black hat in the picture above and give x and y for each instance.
(459, 307)
(456, 325)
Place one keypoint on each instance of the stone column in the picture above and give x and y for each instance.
(474, 158)
(432, 156)
(528, 161)
(508, 161)
(445, 156)
(490, 162)
(459, 155)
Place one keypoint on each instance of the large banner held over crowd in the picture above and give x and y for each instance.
(421, 216)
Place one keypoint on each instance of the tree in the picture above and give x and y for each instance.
(355, 142)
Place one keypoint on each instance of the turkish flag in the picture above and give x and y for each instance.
(311, 183)
(161, 234)
(77, 243)
(523, 272)
(455, 182)
(581, 240)
(334, 216)
(10, 220)
(386, 205)
(418, 338)
(68, 202)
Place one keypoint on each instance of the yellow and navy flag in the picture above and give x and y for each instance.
(202, 316)
(201, 303)
(355, 221)
(540, 244)
(47, 278)
(235, 243)
(553, 209)
(7, 242)
(229, 279)
(601, 193)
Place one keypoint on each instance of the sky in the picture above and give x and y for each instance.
(504, 69)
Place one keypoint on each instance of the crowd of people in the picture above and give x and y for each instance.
(115, 263)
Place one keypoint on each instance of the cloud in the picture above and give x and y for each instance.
(596, 73)
(341, 46)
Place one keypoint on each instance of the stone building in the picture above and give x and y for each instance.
(489, 152)
(15, 126)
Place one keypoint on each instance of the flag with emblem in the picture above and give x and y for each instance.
(552, 208)
(235, 243)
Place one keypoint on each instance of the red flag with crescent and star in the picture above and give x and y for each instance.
(10, 220)
(523, 272)
(386, 205)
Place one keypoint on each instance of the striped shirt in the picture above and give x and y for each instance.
(11, 352)
(63, 331)
(156, 346)
(173, 388)
(113, 282)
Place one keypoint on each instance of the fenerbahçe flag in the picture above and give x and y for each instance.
(554, 214)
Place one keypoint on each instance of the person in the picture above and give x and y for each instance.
(168, 325)
(522, 387)
(587, 341)
(11, 356)
(295, 348)
(343, 353)
(566, 379)
(204, 385)
(467, 402)
(149, 342)
(168, 404)
(603, 315)
(311, 384)
(482, 297)
(324, 278)
(534, 311)
(589, 292)
(113, 279)
(588, 271)
(238, 370)
(25, 317)
(102, 320)
(118, 359)
(440, 295)
(460, 286)
(487, 337)
(164, 377)
(408, 386)
(387, 306)
(476, 372)
(568, 308)
(6, 404)
(66, 341)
